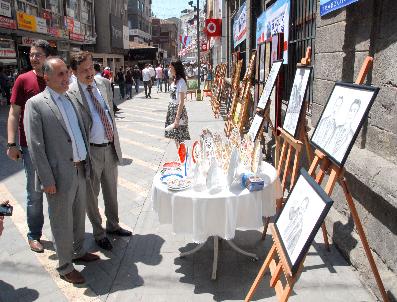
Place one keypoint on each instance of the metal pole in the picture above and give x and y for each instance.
(198, 49)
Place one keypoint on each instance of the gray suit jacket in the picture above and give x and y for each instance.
(49, 143)
(76, 93)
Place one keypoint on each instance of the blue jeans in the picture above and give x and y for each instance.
(137, 85)
(128, 90)
(159, 84)
(34, 207)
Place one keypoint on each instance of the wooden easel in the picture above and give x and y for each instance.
(276, 262)
(336, 175)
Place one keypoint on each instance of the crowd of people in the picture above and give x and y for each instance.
(70, 148)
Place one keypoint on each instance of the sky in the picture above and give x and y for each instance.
(164, 9)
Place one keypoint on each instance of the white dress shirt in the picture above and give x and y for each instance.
(97, 133)
(146, 76)
(72, 125)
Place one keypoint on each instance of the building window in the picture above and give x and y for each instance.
(72, 9)
(86, 18)
(51, 5)
(28, 6)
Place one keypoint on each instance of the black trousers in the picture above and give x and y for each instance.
(146, 85)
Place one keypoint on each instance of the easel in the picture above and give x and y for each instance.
(336, 174)
(276, 269)
(244, 100)
(219, 86)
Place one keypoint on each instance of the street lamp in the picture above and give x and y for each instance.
(198, 45)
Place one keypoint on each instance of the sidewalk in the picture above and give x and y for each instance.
(147, 267)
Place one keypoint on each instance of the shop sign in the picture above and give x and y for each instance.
(126, 37)
(5, 8)
(84, 17)
(54, 31)
(41, 25)
(47, 15)
(240, 25)
(89, 39)
(273, 21)
(116, 31)
(7, 23)
(327, 6)
(77, 27)
(7, 49)
(27, 41)
(26, 22)
(76, 37)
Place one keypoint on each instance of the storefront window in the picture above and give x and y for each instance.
(86, 18)
(51, 5)
(72, 9)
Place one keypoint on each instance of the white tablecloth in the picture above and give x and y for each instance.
(202, 214)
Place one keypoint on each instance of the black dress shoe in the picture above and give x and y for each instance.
(104, 243)
(120, 232)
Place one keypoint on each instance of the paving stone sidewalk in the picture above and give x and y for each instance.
(146, 267)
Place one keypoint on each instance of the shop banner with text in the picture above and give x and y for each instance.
(327, 6)
(5, 8)
(240, 25)
(26, 22)
(272, 21)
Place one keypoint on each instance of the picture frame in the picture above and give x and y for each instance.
(270, 81)
(299, 221)
(341, 120)
(255, 127)
(297, 96)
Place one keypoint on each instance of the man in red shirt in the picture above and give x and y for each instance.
(26, 86)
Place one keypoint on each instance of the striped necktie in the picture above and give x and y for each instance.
(102, 115)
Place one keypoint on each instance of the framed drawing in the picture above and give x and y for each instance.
(271, 79)
(303, 213)
(342, 118)
(296, 98)
(255, 127)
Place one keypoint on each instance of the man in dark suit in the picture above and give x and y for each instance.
(59, 149)
(94, 98)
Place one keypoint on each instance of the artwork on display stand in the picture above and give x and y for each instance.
(342, 118)
(300, 219)
(296, 99)
(255, 127)
(262, 62)
(271, 79)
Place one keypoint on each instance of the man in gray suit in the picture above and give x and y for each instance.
(58, 146)
(94, 98)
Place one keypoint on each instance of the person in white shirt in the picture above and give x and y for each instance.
(147, 81)
(152, 73)
(176, 113)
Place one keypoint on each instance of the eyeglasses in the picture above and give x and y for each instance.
(36, 54)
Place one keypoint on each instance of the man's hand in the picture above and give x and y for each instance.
(50, 190)
(14, 153)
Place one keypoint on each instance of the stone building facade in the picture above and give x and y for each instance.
(343, 39)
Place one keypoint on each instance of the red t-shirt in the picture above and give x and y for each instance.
(27, 85)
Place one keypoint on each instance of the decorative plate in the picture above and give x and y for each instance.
(178, 184)
(172, 164)
(168, 177)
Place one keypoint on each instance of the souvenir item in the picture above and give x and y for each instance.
(246, 151)
(173, 170)
(256, 157)
(234, 161)
(172, 164)
(176, 184)
(226, 154)
(215, 178)
(196, 152)
(167, 177)
(199, 180)
(182, 152)
(254, 183)
(235, 138)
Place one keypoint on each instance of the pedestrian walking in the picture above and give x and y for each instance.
(108, 74)
(26, 86)
(94, 99)
(159, 78)
(58, 147)
(152, 74)
(147, 81)
(176, 113)
(120, 80)
(128, 83)
(166, 79)
(98, 74)
(136, 74)
(4, 85)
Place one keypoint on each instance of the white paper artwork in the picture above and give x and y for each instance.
(340, 120)
(299, 217)
(255, 126)
(296, 99)
(267, 91)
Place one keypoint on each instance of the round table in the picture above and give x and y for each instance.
(202, 214)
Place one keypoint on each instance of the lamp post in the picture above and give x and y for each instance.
(197, 7)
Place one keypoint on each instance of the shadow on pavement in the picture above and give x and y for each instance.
(235, 272)
(120, 272)
(24, 294)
